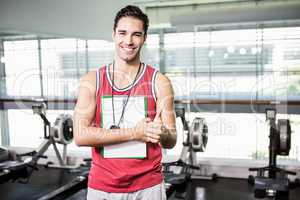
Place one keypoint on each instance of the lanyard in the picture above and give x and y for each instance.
(114, 126)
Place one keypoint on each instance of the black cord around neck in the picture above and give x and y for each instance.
(114, 126)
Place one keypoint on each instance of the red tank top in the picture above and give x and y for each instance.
(126, 175)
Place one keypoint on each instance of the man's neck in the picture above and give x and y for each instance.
(124, 72)
(128, 68)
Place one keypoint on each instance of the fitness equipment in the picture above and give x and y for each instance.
(61, 132)
(196, 137)
(13, 166)
(276, 184)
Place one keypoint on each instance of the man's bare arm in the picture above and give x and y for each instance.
(165, 105)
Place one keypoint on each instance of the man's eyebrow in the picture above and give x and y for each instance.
(136, 32)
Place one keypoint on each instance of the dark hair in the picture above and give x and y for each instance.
(132, 11)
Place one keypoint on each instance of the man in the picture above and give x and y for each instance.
(126, 78)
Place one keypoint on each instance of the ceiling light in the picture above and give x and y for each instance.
(243, 51)
(230, 49)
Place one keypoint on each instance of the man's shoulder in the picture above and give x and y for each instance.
(163, 86)
(162, 79)
(91, 75)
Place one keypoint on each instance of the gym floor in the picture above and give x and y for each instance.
(46, 180)
(41, 183)
(227, 188)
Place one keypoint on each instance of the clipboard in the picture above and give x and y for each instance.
(135, 111)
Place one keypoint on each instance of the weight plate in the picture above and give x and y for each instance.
(63, 129)
(284, 131)
(199, 134)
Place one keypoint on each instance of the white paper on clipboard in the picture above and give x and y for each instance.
(135, 111)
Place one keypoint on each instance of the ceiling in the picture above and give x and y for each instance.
(93, 19)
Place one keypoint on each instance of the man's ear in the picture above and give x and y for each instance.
(145, 37)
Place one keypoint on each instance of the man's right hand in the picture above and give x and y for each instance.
(141, 132)
(148, 130)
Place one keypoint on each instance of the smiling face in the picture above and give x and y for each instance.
(129, 38)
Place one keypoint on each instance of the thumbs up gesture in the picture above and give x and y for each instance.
(150, 131)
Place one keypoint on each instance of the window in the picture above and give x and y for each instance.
(63, 63)
(244, 63)
(251, 64)
(22, 68)
(150, 51)
(100, 53)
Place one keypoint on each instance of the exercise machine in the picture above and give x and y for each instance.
(11, 166)
(276, 183)
(195, 140)
(60, 133)
(19, 166)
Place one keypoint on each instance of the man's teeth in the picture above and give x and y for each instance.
(128, 49)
